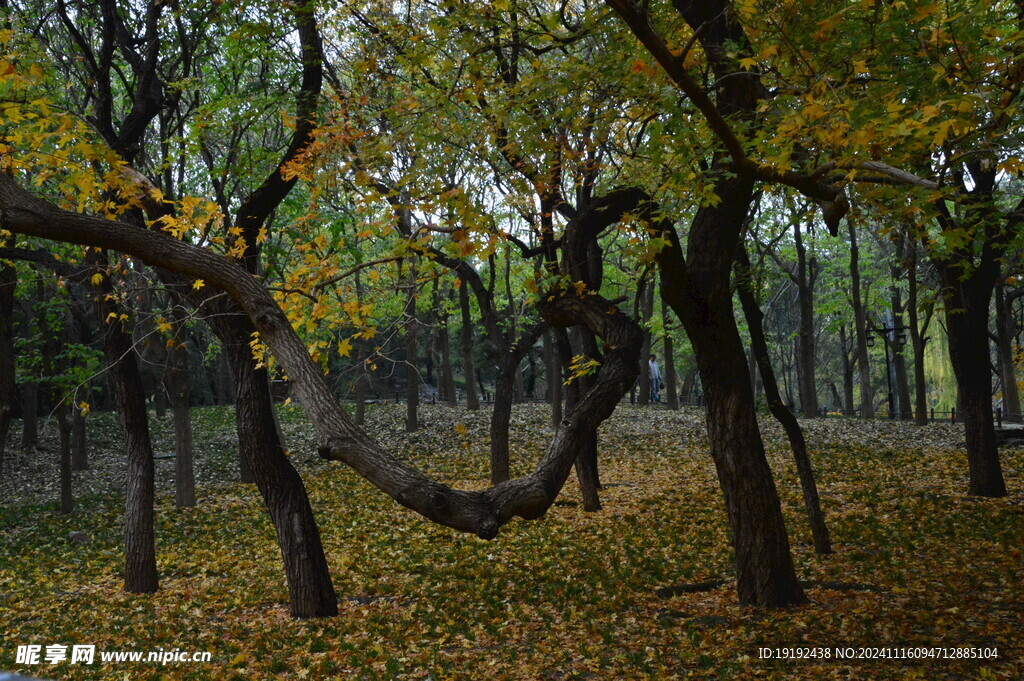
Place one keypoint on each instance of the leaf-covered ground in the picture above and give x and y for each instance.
(572, 596)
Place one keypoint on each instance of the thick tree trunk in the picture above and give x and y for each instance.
(587, 471)
(311, 593)
(967, 326)
(754, 317)
(688, 384)
(129, 393)
(764, 568)
(468, 365)
(698, 290)
(902, 387)
(501, 417)
(867, 396)
(586, 456)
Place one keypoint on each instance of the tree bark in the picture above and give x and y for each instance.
(79, 442)
(1004, 344)
(480, 512)
(867, 397)
(805, 276)
(698, 291)
(311, 593)
(444, 349)
(129, 393)
(178, 383)
(553, 367)
(468, 365)
(917, 339)
(899, 363)
(67, 498)
(754, 317)
(412, 375)
(29, 416)
(847, 369)
(645, 308)
(967, 305)
(8, 283)
(671, 380)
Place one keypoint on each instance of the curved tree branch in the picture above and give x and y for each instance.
(482, 513)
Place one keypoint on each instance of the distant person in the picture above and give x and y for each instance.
(652, 367)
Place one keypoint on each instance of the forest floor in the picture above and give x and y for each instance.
(639, 590)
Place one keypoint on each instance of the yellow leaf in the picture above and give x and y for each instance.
(198, 284)
(83, 408)
(344, 348)
(96, 279)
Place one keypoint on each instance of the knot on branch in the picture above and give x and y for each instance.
(440, 499)
(487, 527)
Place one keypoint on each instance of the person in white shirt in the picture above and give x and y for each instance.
(655, 373)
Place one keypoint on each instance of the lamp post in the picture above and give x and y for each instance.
(899, 336)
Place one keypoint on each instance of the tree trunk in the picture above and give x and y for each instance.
(8, 283)
(645, 307)
(688, 384)
(129, 393)
(361, 378)
(468, 366)
(412, 376)
(967, 326)
(29, 416)
(501, 417)
(917, 340)
(847, 369)
(178, 385)
(311, 593)
(754, 317)
(899, 363)
(805, 276)
(1004, 344)
(671, 380)
(362, 372)
(867, 397)
(698, 290)
(586, 457)
(79, 443)
(447, 374)
(553, 368)
(67, 499)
